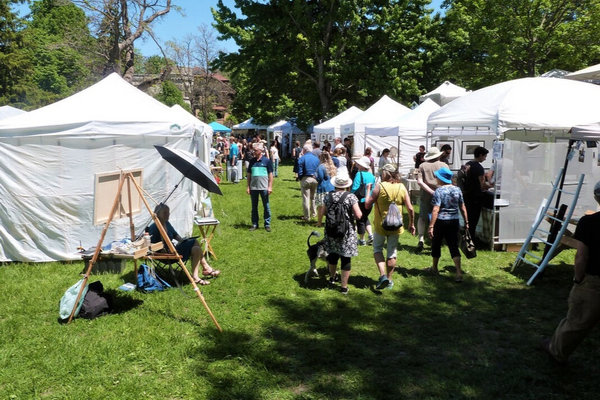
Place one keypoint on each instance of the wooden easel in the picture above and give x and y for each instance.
(128, 176)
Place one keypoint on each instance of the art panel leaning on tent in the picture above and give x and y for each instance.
(49, 158)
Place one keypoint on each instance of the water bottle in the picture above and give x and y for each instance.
(146, 239)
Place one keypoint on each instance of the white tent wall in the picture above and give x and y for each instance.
(333, 126)
(48, 193)
(49, 158)
(384, 110)
(409, 146)
(528, 170)
(534, 111)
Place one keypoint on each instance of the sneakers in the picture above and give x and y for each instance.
(382, 283)
(344, 290)
(253, 228)
(370, 240)
(361, 242)
(390, 285)
(268, 228)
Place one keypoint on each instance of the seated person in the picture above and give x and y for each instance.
(186, 247)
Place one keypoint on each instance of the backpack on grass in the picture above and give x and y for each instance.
(148, 281)
(95, 303)
(337, 220)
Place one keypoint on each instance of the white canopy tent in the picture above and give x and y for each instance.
(9, 111)
(284, 130)
(444, 93)
(333, 126)
(248, 125)
(589, 73)
(526, 123)
(383, 111)
(203, 149)
(406, 133)
(51, 159)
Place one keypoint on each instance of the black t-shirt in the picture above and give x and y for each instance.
(588, 233)
(472, 184)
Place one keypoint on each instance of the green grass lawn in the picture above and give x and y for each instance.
(427, 338)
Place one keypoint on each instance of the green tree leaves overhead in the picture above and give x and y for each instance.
(311, 58)
(55, 55)
(12, 63)
(489, 41)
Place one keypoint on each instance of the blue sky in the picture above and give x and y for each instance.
(193, 13)
(196, 12)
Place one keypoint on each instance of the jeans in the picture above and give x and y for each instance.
(264, 195)
(276, 168)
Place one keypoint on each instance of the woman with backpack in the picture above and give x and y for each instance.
(389, 196)
(341, 207)
(447, 203)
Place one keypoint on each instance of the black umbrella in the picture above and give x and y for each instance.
(191, 167)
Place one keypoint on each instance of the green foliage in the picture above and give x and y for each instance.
(12, 63)
(427, 338)
(56, 53)
(306, 59)
(154, 64)
(491, 41)
(170, 95)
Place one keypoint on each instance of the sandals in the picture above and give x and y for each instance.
(210, 272)
(201, 282)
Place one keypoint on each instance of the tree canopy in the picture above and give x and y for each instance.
(310, 58)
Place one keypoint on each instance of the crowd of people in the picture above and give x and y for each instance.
(331, 182)
(324, 171)
(327, 170)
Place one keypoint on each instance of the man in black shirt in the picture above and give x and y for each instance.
(584, 299)
(475, 186)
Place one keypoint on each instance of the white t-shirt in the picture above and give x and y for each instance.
(274, 153)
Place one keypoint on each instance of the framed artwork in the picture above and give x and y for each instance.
(440, 143)
(330, 138)
(468, 149)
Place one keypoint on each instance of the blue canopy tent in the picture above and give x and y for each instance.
(218, 128)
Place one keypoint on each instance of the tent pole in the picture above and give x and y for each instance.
(398, 153)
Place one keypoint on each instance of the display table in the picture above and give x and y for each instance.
(207, 226)
(414, 190)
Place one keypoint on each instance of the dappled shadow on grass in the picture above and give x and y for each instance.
(242, 226)
(121, 301)
(525, 271)
(290, 217)
(434, 340)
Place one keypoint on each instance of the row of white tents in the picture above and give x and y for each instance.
(51, 160)
(526, 123)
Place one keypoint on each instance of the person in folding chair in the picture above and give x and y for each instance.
(187, 248)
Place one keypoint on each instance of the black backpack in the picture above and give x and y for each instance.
(95, 302)
(337, 220)
(461, 176)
